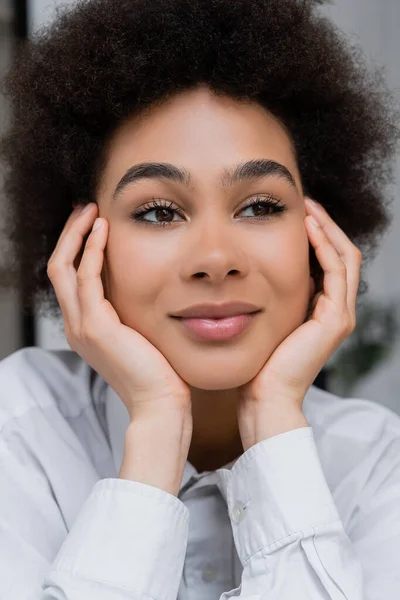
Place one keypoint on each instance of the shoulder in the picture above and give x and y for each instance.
(358, 442)
(35, 378)
(360, 420)
(52, 448)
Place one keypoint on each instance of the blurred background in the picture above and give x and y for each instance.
(368, 364)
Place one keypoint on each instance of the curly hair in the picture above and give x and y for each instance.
(101, 61)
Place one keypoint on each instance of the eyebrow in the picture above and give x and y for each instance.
(250, 171)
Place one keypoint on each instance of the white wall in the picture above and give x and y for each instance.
(374, 24)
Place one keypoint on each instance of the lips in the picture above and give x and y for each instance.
(217, 329)
(217, 311)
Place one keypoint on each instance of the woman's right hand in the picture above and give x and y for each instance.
(135, 369)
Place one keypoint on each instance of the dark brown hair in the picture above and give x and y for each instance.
(101, 61)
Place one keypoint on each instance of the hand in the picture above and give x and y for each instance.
(135, 369)
(271, 402)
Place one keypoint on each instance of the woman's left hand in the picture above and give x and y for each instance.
(271, 403)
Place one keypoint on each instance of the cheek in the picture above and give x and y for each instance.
(136, 274)
(287, 261)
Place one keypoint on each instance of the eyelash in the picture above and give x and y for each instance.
(269, 202)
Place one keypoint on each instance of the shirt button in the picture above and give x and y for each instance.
(210, 572)
(237, 513)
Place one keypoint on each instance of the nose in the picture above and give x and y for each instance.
(213, 253)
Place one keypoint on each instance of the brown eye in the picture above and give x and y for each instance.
(163, 210)
(264, 207)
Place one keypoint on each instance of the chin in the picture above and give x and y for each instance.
(214, 383)
(217, 378)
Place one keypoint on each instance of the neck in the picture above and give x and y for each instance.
(215, 438)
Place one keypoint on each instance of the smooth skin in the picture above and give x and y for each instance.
(131, 276)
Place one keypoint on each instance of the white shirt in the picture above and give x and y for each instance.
(310, 514)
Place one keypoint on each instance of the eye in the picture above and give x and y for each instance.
(160, 208)
(269, 205)
(265, 207)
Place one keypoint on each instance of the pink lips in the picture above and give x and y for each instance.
(218, 329)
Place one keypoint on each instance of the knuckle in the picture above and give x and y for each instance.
(81, 278)
(348, 326)
(358, 255)
(89, 331)
(52, 268)
(86, 333)
(338, 269)
(353, 322)
(339, 325)
(339, 321)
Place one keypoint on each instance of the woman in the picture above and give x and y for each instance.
(181, 450)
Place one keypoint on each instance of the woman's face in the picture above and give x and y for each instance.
(213, 248)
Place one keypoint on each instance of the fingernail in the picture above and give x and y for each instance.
(97, 224)
(312, 202)
(314, 221)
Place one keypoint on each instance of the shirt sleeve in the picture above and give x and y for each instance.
(287, 530)
(128, 541)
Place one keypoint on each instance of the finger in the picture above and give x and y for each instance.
(349, 253)
(75, 213)
(61, 268)
(90, 285)
(335, 281)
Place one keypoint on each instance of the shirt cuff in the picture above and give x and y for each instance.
(277, 488)
(128, 534)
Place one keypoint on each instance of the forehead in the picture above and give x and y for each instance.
(203, 132)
